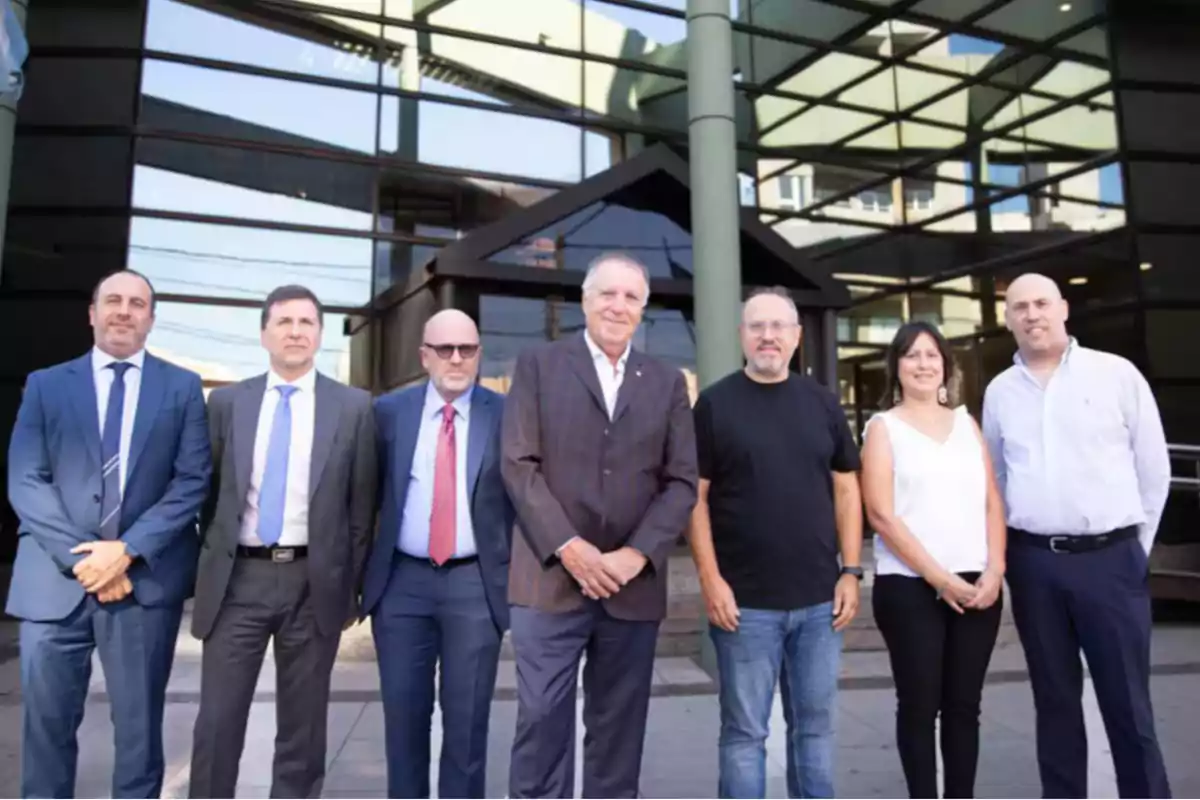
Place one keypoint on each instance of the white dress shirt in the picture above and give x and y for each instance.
(104, 378)
(418, 504)
(611, 377)
(1086, 454)
(295, 508)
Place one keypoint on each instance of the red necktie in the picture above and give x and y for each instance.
(443, 521)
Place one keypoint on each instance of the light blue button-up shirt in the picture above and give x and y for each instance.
(1085, 454)
(418, 506)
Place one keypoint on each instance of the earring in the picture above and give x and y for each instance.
(896, 396)
(943, 396)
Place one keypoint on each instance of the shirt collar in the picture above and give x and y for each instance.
(1072, 344)
(434, 402)
(306, 383)
(101, 359)
(598, 354)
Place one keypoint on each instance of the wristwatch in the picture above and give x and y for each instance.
(855, 571)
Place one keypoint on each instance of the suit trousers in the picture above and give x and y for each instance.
(265, 601)
(435, 623)
(137, 647)
(1098, 601)
(616, 689)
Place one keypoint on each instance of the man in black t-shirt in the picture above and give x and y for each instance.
(778, 502)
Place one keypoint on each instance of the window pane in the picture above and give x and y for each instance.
(222, 343)
(225, 261)
(231, 105)
(228, 182)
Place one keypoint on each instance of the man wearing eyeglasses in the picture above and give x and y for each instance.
(437, 579)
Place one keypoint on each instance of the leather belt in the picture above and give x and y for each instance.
(450, 564)
(280, 555)
(1072, 543)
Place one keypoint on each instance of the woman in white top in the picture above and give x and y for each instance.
(932, 500)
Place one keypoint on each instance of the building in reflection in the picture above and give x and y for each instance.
(897, 161)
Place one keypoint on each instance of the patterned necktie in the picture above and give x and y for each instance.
(110, 454)
(443, 520)
(273, 491)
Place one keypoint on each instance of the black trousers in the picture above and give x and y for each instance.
(939, 660)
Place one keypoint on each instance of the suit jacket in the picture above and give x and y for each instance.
(341, 499)
(572, 472)
(55, 484)
(398, 416)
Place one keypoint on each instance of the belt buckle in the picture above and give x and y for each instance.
(1054, 544)
(283, 555)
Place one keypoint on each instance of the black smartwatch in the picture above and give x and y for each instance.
(855, 571)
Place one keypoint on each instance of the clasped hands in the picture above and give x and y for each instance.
(103, 571)
(601, 575)
(962, 596)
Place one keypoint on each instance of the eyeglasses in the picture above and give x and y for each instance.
(446, 351)
(776, 327)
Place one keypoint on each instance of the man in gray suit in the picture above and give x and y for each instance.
(285, 537)
(599, 457)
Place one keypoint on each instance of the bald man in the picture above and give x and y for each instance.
(1080, 455)
(437, 581)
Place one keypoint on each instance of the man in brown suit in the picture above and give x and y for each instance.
(599, 457)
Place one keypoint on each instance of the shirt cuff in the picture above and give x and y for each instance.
(558, 552)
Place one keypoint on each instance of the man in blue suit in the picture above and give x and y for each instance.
(437, 581)
(108, 467)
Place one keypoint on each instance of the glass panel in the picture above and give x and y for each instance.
(617, 31)
(1168, 267)
(556, 24)
(223, 345)
(235, 106)
(1172, 342)
(333, 47)
(954, 315)
(1037, 20)
(872, 323)
(572, 242)
(482, 140)
(193, 258)
(227, 182)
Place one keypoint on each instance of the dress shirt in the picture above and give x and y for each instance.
(418, 505)
(611, 377)
(104, 378)
(295, 507)
(1086, 454)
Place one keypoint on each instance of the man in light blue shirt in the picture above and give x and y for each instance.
(437, 582)
(1079, 452)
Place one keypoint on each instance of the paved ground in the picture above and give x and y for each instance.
(680, 756)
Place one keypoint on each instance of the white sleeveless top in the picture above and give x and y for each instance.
(940, 492)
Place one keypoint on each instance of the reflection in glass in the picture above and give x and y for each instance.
(235, 106)
(572, 242)
(228, 182)
(222, 343)
(192, 258)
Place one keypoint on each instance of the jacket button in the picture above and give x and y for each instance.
(96, 498)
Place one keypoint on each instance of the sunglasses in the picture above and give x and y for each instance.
(446, 351)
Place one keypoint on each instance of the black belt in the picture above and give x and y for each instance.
(1072, 543)
(280, 555)
(448, 564)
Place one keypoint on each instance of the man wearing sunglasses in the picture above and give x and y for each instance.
(437, 580)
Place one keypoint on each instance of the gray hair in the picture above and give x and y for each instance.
(772, 291)
(589, 278)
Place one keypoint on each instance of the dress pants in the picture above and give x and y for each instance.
(264, 601)
(137, 647)
(616, 686)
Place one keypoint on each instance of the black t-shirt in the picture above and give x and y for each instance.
(769, 451)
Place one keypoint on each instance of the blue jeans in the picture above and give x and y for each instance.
(803, 643)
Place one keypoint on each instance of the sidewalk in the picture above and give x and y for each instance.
(680, 754)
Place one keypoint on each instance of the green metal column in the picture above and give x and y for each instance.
(716, 252)
(8, 123)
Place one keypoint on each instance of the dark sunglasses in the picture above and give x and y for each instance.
(446, 351)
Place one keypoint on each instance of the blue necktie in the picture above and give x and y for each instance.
(273, 492)
(110, 454)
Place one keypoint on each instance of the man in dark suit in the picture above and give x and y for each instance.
(599, 457)
(437, 581)
(286, 532)
(108, 467)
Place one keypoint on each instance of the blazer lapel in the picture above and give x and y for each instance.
(404, 444)
(150, 398)
(246, 407)
(585, 368)
(83, 401)
(477, 435)
(325, 425)
(631, 385)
